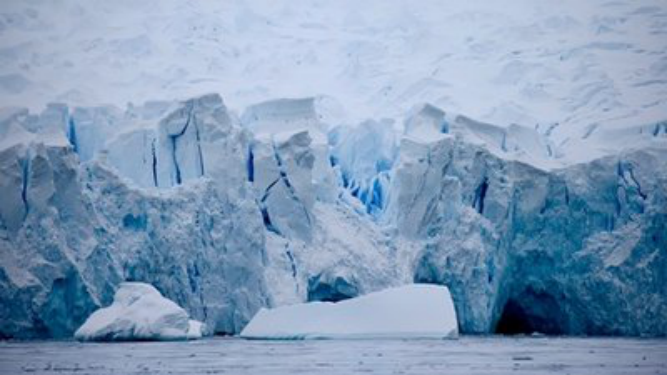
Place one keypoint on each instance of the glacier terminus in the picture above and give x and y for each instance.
(225, 213)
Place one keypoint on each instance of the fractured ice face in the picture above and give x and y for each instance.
(364, 155)
(225, 216)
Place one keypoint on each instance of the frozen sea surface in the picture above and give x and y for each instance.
(469, 355)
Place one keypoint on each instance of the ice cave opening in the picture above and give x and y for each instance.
(330, 289)
(530, 313)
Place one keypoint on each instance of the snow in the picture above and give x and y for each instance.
(138, 313)
(411, 311)
(561, 69)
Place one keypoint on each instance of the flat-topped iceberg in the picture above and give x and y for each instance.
(139, 313)
(411, 311)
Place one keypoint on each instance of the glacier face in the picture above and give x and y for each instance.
(73, 231)
(226, 214)
(577, 251)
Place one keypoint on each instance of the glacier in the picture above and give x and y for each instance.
(225, 214)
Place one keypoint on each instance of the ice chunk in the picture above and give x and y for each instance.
(281, 115)
(411, 311)
(282, 175)
(283, 119)
(134, 155)
(418, 182)
(139, 312)
(514, 142)
(198, 139)
(88, 129)
(196, 329)
(427, 122)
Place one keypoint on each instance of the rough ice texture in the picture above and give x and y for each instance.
(71, 232)
(558, 250)
(225, 216)
(139, 313)
(410, 311)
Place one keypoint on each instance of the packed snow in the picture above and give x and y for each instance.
(411, 311)
(139, 313)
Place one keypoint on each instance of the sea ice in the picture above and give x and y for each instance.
(410, 311)
(139, 312)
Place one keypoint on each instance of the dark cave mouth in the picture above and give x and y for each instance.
(331, 290)
(531, 313)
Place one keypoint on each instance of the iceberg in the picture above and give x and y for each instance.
(410, 311)
(139, 313)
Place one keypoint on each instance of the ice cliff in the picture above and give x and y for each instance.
(225, 214)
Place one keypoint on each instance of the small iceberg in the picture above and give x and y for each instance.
(411, 311)
(139, 313)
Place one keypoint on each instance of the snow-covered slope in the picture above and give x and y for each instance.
(592, 75)
(409, 311)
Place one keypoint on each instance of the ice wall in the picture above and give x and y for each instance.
(225, 215)
(71, 232)
(565, 247)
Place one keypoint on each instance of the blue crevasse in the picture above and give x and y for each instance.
(365, 155)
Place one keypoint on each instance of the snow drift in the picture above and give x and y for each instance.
(139, 313)
(411, 311)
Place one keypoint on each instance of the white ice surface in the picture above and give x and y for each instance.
(139, 313)
(411, 311)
